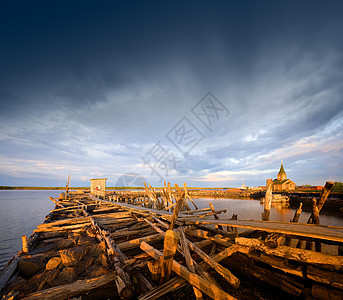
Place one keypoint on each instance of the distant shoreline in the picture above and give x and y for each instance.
(4, 187)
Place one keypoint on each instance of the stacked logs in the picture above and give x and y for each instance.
(162, 246)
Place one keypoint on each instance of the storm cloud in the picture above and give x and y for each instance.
(93, 87)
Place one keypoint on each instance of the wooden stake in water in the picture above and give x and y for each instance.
(24, 242)
(267, 200)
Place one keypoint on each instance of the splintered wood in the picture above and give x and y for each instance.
(159, 244)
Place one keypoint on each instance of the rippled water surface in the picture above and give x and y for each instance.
(20, 213)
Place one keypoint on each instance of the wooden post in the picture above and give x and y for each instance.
(324, 195)
(176, 212)
(24, 242)
(232, 229)
(182, 194)
(267, 200)
(155, 268)
(170, 195)
(315, 220)
(295, 220)
(267, 204)
(171, 240)
(187, 195)
(215, 216)
(67, 186)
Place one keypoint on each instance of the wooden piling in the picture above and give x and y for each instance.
(24, 243)
(171, 240)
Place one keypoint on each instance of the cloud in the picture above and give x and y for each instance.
(95, 92)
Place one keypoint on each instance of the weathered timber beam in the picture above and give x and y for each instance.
(116, 257)
(56, 202)
(333, 233)
(306, 256)
(164, 288)
(190, 212)
(73, 289)
(171, 240)
(65, 221)
(60, 228)
(295, 220)
(175, 213)
(243, 265)
(65, 209)
(229, 277)
(195, 280)
(126, 233)
(215, 216)
(189, 260)
(177, 282)
(136, 242)
(187, 195)
(226, 242)
(8, 270)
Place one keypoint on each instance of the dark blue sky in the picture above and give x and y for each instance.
(104, 88)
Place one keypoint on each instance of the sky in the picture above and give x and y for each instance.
(210, 93)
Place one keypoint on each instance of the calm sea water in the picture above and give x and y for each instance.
(252, 210)
(20, 213)
(22, 210)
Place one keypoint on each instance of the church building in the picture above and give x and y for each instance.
(282, 183)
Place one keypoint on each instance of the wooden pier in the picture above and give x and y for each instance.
(157, 244)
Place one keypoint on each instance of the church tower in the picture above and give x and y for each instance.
(282, 174)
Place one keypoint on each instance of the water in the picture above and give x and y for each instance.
(252, 210)
(20, 213)
(22, 210)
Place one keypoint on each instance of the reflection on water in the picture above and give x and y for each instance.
(21, 211)
(252, 210)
